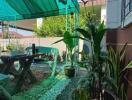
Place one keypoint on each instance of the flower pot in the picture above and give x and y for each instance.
(69, 71)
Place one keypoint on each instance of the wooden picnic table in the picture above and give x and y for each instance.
(25, 63)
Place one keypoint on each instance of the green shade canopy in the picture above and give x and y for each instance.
(28, 9)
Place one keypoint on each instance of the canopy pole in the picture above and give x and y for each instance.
(8, 32)
(66, 30)
(78, 24)
(3, 35)
(75, 33)
(15, 39)
(70, 23)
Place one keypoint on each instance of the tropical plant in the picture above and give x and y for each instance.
(70, 44)
(94, 33)
(55, 26)
(126, 69)
(114, 78)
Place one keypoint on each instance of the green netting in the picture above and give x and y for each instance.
(48, 89)
(27, 9)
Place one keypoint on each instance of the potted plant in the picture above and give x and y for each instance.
(93, 34)
(70, 45)
(114, 81)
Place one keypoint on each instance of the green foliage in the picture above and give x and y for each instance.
(129, 66)
(69, 41)
(4, 94)
(55, 26)
(70, 44)
(104, 71)
(52, 26)
(89, 9)
(6, 35)
(93, 32)
(116, 86)
(10, 47)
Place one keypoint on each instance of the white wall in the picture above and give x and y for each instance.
(39, 22)
(38, 41)
(103, 14)
(113, 13)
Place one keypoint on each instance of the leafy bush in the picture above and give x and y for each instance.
(10, 47)
(55, 26)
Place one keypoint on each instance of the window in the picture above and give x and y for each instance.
(130, 5)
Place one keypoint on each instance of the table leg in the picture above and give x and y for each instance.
(25, 64)
(20, 81)
(32, 77)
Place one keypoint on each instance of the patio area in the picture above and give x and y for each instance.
(49, 88)
(63, 68)
(46, 87)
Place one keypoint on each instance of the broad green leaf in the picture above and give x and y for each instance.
(68, 40)
(100, 31)
(84, 33)
(58, 41)
(79, 37)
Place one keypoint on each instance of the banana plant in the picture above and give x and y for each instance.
(70, 44)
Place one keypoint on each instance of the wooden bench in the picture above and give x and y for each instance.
(49, 52)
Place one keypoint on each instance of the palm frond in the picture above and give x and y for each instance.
(58, 41)
(84, 33)
(129, 66)
(123, 52)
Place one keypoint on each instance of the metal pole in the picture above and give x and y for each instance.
(66, 30)
(2, 23)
